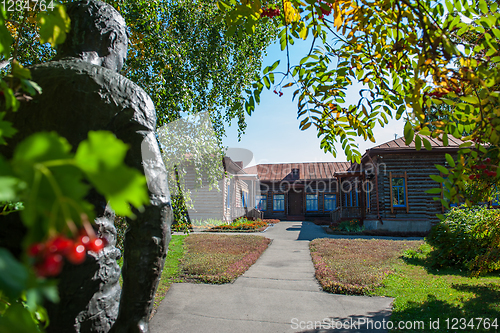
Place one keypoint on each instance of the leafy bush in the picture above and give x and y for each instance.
(348, 226)
(468, 238)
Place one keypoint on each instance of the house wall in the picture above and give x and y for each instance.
(320, 187)
(207, 204)
(422, 209)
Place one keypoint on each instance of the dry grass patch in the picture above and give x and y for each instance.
(355, 266)
(213, 258)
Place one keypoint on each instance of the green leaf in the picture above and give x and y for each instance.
(101, 157)
(442, 169)
(17, 319)
(19, 71)
(13, 275)
(408, 133)
(9, 184)
(266, 82)
(427, 144)
(450, 160)
(436, 190)
(418, 142)
(5, 40)
(44, 161)
(437, 178)
(54, 24)
(6, 129)
(274, 65)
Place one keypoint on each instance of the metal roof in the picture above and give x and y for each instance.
(307, 171)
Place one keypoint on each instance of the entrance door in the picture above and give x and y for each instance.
(296, 203)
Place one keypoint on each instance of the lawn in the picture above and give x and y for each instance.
(450, 298)
(459, 302)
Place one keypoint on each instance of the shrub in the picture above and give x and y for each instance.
(468, 238)
(348, 226)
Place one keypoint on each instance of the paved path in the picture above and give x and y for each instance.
(279, 293)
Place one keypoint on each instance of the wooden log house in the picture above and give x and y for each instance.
(386, 190)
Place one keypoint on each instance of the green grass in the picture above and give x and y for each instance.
(401, 269)
(422, 293)
(171, 270)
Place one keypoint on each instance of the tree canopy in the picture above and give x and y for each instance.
(179, 54)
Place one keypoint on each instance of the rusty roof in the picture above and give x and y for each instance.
(307, 171)
(435, 143)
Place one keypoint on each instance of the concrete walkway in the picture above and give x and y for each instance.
(279, 293)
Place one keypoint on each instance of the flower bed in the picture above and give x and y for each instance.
(242, 225)
(220, 258)
(355, 266)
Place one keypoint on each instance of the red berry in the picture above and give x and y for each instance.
(84, 239)
(481, 166)
(96, 245)
(51, 266)
(493, 173)
(59, 244)
(35, 249)
(472, 176)
(487, 160)
(77, 254)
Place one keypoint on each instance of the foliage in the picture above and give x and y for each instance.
(422, 293)
(468, 238)
(49, 179)
(410, 56)
(220, 258)
(348, 226)
(179, 54)
(355, 266)
(241, 224)
(191, 154)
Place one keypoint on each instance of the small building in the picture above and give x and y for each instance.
(400, 178)
(298, 190)
(387, 190)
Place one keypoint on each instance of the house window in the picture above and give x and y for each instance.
(399, 191)
(350, 199)
(261, 202)
(244, 198)
(311, 202)
(330, 202)
(279, 202)
(368, 190)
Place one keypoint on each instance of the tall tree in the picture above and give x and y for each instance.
(179, 54)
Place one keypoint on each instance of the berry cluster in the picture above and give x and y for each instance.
(49, 255)
(270, 12)
(278, 93)
(439, 94)
(325, 12)
(483, 169)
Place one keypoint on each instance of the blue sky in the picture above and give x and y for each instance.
(273, 134)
